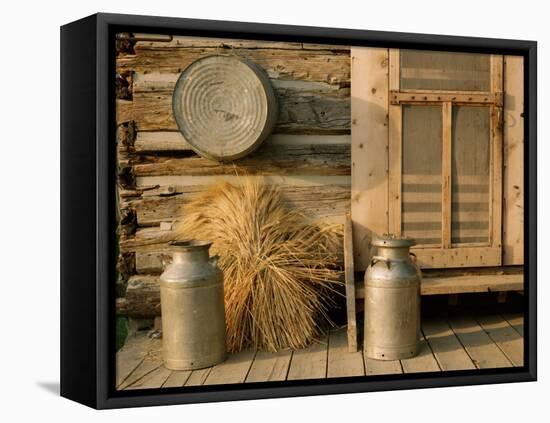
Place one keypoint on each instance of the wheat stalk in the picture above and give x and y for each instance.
(280, 269)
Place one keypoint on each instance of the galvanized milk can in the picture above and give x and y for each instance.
(192, 303)
(392, 301)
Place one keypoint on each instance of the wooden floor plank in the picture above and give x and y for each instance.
(461, 343)
(177, 378)
(269, 366)
(515, 320)
(381, 367)
(154, 379)
(310, 362)
(423, 362)
(233, 370)
(146, 367)
(447, 349)
(506, 337)
(341, 362)
(197, 377)
(480, 347)
(130, 356)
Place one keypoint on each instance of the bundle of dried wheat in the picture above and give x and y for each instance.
(279, 268)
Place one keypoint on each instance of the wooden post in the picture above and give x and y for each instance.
(395, 149)
(496, 154)
(512, 219)
(350, 284)
(369, 139)
(446, 205)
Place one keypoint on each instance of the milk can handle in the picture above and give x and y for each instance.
(376, 259)
(165, 260)
(413, 255)
(214, 260)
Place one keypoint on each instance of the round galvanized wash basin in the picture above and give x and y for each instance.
(224, 106)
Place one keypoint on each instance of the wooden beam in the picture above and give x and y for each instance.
(349, 271)
(325, 202)
(513, 184)
(395, 163)
(330, 66)
(422, 97)
(299, 112)
(463, 284)
(331, 159)
(369, 138)
(462, 256)
(163, 141)
(496, 153)
(446, 176)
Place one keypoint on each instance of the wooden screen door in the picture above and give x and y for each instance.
(442, 158)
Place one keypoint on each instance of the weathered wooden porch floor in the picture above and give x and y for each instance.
(454, 343)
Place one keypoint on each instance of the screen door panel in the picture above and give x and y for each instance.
(470, 174)
(421, 189)
(446, 71)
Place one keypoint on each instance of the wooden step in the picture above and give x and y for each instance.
(462, 284)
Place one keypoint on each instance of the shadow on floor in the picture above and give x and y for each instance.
(50, 387)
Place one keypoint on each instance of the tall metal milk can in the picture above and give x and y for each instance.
(192, 304)
(392, 301)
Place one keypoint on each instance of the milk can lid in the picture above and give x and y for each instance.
(392, 241)
(189, 244)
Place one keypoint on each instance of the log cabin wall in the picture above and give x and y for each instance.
(308, 154)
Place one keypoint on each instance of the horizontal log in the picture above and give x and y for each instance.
(332, 159)
(326, 202)
(152, 41)
(142, 297)
(146, 239)
(159, 82)
(151, 262)
(170, 185)
(163, 141)
(331, 66)
(299, 112)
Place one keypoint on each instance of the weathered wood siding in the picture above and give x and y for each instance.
(377, 195)
(513, 189)
(308, 154)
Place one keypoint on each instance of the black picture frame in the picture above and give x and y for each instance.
(88, 210)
